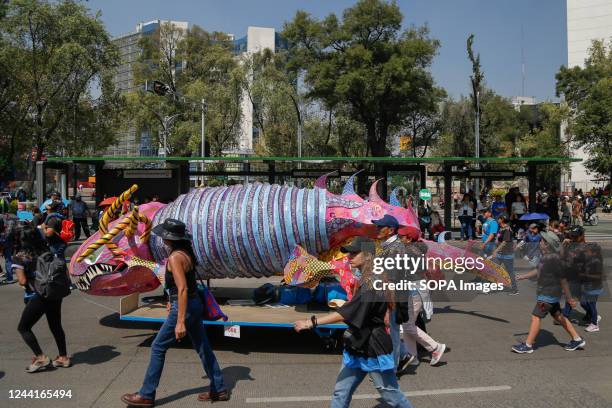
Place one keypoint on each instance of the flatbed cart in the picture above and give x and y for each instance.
(130, 309)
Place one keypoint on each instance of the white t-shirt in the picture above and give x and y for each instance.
(518, 207)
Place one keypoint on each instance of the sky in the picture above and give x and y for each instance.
(496, 25)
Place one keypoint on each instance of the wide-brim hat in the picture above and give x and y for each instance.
(172, 230)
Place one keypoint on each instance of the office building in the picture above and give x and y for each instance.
(587, 20)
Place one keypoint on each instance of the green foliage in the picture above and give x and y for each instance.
(477, 76)
(366, 63)
(457, 129)
(50, 55)
(196, 65)
(543, 138)
(273, 91)
(588, 92)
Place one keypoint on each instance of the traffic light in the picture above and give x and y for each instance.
(157, 87)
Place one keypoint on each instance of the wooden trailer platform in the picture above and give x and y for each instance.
(254, 316)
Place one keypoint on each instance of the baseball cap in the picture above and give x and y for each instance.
(386, 221)
(575, 231)
(53, 206)
(360, 244)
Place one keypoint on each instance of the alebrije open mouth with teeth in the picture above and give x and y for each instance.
(247, 230)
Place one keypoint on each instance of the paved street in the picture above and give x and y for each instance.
(279, 368)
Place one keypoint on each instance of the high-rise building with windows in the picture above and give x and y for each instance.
(128, 144)
(587, 20)
(256, 40)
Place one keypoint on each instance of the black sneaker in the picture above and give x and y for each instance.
(404, 363)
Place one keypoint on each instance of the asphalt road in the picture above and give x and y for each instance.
(279, 368)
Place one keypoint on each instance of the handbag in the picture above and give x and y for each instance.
(210, 308)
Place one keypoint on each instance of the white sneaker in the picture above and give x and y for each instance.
(591, 328)
(436, 355)
(598, 319)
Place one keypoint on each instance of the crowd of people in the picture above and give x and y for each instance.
(564, 265)
(572, 209)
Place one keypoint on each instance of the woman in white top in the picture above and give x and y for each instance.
(518, 207)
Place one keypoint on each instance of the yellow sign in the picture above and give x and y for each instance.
(405, 143)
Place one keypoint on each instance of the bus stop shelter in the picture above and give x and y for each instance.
(169, 177)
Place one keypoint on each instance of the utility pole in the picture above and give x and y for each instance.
(477, 138)
(476, 80)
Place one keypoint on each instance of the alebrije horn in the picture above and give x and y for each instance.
(321, 182)
(349, 186)
(393, 200)
(373, 196)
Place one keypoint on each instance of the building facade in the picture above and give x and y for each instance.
(587, 20)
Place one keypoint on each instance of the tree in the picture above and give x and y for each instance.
(52, 54)
(424, 125)
(542, 138)
(476, 79)
(501, 127)
(93, 119)
(195, 65)
(366, 62)
(588, 93)
(457, 129)
(272, 90)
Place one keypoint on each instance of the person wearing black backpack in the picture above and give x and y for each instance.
(46, 282)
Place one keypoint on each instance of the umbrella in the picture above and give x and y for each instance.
(107, 202)
(43, 206)
(25, 215)
(534, 216)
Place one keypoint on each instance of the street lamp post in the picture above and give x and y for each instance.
(162, 89)
(203, 139)
(477, 138)
(166, 123)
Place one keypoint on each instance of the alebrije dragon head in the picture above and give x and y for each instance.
(349, 215)
(116, 260)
